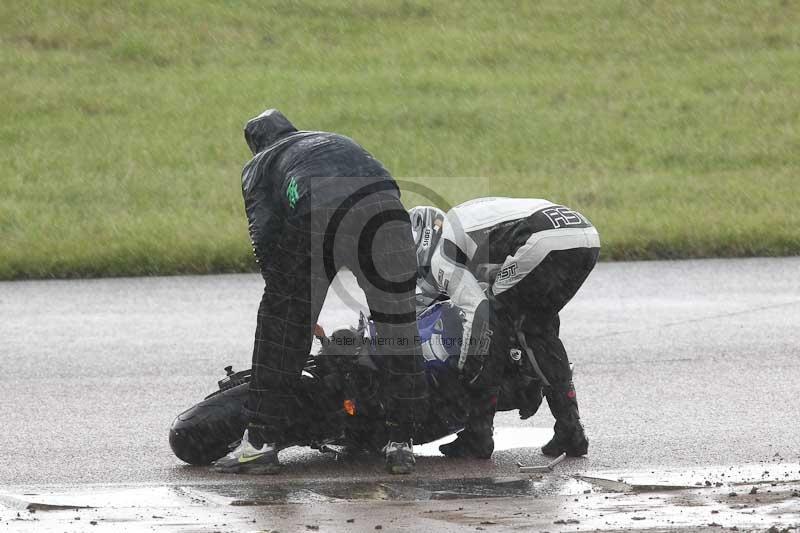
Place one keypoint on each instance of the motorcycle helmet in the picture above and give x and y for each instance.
(426, 229)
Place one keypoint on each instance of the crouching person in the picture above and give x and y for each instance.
(511, 264)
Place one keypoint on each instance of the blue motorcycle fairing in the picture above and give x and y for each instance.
(440, 332)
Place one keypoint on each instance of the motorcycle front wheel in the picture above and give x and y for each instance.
(204, 433)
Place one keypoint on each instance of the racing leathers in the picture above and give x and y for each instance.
(511, 264)
(318, 202)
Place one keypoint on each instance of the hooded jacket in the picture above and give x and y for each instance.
(293, 172)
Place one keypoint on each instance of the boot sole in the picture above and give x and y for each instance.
(468, 456)
(570, 453)
(465, 454)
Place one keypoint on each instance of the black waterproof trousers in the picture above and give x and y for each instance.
(533, 306)
(370, 236)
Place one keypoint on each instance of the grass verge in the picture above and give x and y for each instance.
(673, 125)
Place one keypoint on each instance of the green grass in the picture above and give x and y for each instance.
(673, 125)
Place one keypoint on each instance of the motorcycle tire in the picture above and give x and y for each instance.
(205, 432)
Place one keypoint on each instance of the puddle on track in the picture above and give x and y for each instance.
(401, 490)
(743, 497)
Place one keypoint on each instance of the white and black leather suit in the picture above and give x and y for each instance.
(512, 264)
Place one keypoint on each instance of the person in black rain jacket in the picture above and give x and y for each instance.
(317, 202)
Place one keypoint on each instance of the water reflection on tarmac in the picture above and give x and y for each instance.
(681, 367)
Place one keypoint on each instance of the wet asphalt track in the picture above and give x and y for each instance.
(680, 365)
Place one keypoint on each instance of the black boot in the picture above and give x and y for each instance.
(569, 435)
(476, 439)
(469, 444)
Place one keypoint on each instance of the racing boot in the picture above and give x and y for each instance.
(469, 444)
(399, 457)
(569, 435)
(250, 457)
(476, 439)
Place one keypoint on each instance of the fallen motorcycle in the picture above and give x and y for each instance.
(338, 400)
